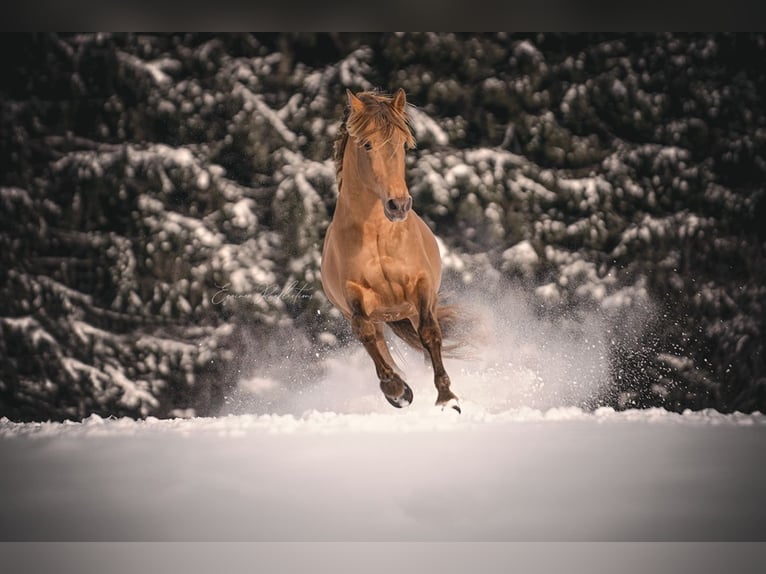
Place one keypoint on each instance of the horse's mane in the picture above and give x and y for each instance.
(377, 117)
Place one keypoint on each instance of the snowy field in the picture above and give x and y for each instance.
(518, 475)
(416, 475)
(350, 487)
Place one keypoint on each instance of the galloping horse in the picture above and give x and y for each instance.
(380, 262)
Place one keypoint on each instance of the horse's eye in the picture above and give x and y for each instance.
(367, 146)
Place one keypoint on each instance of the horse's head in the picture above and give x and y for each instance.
(379, 136)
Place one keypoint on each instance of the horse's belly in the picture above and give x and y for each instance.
(405, 310)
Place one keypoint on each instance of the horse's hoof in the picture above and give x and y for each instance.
(403, 401)
(452, 404)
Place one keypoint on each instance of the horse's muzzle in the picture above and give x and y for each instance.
(397, 209)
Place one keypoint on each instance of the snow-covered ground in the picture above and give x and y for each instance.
(420, 475)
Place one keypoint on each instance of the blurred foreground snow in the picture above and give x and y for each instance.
(413, 475)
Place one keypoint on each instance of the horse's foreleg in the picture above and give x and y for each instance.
(396, 391)
(431, 337)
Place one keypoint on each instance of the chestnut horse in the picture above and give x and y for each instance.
(380, 262)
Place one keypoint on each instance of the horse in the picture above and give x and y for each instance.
(380, 261)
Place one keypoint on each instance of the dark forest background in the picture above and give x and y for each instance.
(163, 199)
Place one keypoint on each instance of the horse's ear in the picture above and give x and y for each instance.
(400, 100)
(354, 103)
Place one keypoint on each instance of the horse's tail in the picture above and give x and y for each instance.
(459, 327)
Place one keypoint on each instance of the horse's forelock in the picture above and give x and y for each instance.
(377, 116)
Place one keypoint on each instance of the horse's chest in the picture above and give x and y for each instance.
(384, 267)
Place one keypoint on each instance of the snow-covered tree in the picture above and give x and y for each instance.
(163, 200)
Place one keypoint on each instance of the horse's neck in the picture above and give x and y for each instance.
(357, 204)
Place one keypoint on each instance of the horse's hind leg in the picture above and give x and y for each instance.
(396, 391)
(431, 338)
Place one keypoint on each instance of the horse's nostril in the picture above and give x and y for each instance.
(392, 205)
